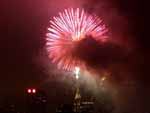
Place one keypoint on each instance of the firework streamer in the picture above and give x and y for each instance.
(66, 30)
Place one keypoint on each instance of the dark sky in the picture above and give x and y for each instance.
(23, 26)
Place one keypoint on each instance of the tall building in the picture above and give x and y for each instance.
(77, 101)
(82, 106)
(87, 107)
(78, 105)
(36, 102)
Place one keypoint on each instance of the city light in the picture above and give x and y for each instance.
(77, 70)
(31, 90)
(103, 78)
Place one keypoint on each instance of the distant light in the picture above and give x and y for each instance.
(29, 90)
(76, 71)
(77, 76)
(33, 90)
(102, 79)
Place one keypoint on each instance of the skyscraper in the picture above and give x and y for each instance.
(77, 101)
(36, 101)
(80, 105)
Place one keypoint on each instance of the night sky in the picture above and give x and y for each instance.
(24, 62)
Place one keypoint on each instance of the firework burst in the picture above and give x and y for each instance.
(66, 30)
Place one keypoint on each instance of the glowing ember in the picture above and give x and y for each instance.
(70, 27)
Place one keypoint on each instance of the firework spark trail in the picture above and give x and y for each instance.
(70, 27)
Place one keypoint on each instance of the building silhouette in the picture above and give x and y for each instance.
(78, 105)
(36, 102)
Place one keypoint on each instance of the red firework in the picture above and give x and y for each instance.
(70, 27)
